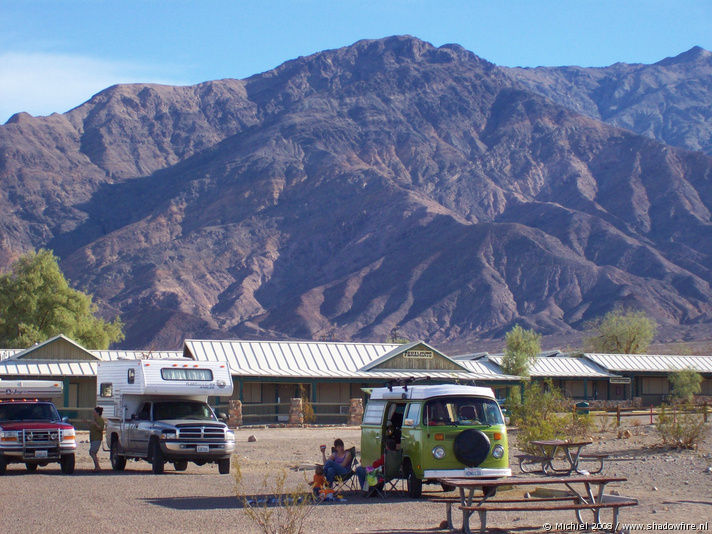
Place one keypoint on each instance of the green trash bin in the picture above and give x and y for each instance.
(582, 408)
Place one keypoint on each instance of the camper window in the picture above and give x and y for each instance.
(201, 375)
(131, 376)
(106, 389)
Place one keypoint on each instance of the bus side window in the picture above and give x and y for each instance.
(412, 415)
(374, 412)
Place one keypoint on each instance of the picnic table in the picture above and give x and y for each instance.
(572, 455)
(584, 493)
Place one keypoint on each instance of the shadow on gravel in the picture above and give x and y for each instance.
(528, 529)
(211, 502)
(708, 503)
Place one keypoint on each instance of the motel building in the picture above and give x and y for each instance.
(327, 375)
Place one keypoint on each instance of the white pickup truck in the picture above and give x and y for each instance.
(156, 410)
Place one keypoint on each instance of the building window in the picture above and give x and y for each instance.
(106, 390)
(131, 376)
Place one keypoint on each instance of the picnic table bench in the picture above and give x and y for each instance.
(572, 455)
(577, 500)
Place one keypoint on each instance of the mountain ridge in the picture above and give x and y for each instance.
(390, 184)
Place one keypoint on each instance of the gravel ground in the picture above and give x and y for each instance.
(672, 487)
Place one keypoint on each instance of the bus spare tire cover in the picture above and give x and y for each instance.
(471, 447)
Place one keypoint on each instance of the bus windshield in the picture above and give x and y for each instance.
(462, 411)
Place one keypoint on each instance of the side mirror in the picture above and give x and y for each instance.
(65, 419)
(222, 416)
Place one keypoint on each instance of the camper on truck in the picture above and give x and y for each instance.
(31, 430)
(156, 410)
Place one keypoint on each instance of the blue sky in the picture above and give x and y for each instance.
(55, 54)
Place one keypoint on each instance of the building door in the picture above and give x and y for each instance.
(73, 397)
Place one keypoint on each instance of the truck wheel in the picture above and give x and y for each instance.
(67, 464)
(31, 468)
(3, 465)
(224, 466)
(157, 461)
(181, 466)
(118, 462)
(415, 486)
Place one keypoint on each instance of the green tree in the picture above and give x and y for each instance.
(522, 347)
(37, 303)
(621, 332)
(685, 384)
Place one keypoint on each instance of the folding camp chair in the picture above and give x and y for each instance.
(349, 480)
(392, 473)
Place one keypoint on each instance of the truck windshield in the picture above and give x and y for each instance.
(28, 412)
(182, 410)
(462, 411)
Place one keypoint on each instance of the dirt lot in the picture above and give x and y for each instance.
(672, 487)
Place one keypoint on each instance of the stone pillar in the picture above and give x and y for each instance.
(296, 412)
(234, 414)
(355, 412)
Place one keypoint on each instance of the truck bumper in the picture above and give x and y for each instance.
(190, 450)
(470, 472)
(40, 453)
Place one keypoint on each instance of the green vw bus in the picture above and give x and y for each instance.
(443, 430)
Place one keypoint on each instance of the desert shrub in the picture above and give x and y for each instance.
(681, 430)
(580, 425)
(685, 384)
(275, 509)
(537, 414)
(604, 423)
(541, 413)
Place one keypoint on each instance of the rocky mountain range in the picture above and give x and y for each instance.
(388, 184)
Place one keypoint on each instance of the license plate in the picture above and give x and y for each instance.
(202, 448)
(473, 472)
(40, 454)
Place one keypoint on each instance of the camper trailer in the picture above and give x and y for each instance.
(156, 410)
(31, 430)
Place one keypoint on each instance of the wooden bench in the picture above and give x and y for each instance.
(544, 505)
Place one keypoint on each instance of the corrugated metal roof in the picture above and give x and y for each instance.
(561, 366)
(47, 368)
(312, 359)
(110, 355)
(485, 367)
(651, 363)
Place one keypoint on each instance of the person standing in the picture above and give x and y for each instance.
(96, 433)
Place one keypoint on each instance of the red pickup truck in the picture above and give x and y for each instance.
(31, 430)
